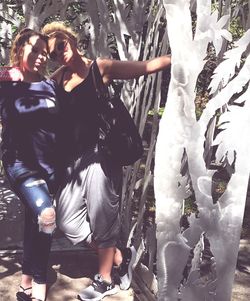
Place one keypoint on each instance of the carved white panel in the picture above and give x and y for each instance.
(197, 254)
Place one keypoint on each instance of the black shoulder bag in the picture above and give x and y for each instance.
(119, 140)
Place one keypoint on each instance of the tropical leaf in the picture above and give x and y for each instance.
(226, 70)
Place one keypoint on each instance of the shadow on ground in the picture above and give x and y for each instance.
(69, 272)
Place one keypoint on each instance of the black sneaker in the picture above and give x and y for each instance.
(24, 294)
(98, 290)
(126, 267)
(21, 296)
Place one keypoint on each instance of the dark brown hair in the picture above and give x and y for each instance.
(19, 42)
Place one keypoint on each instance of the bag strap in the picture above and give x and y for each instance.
(101, 89)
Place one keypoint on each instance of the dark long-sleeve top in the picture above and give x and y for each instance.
(31, 124)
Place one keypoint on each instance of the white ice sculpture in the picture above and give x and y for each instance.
(197, 262)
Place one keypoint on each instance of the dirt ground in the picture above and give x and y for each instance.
(69, 273)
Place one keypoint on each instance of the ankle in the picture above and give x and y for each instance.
(26, 281)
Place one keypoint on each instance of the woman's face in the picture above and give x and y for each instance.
(61, 50)
(34, 55)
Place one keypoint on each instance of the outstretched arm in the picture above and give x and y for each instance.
(114, 69)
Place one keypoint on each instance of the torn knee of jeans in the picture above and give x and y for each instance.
(47, 220)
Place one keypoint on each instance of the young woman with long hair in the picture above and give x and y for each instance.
(29, 116)
(88, 204)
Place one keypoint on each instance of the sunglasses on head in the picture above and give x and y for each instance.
(59, 47)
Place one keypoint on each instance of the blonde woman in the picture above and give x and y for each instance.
(88, 206)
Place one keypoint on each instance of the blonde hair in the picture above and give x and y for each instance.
(20, 41)
(59, 29)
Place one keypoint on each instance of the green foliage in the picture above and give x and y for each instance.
(236, 28)
(159, 112)
(215, 5)
(190, 205)
(74, 11)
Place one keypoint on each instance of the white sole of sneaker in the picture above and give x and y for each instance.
(108, 293)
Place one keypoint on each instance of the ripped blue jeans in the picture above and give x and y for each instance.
(34, 190)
